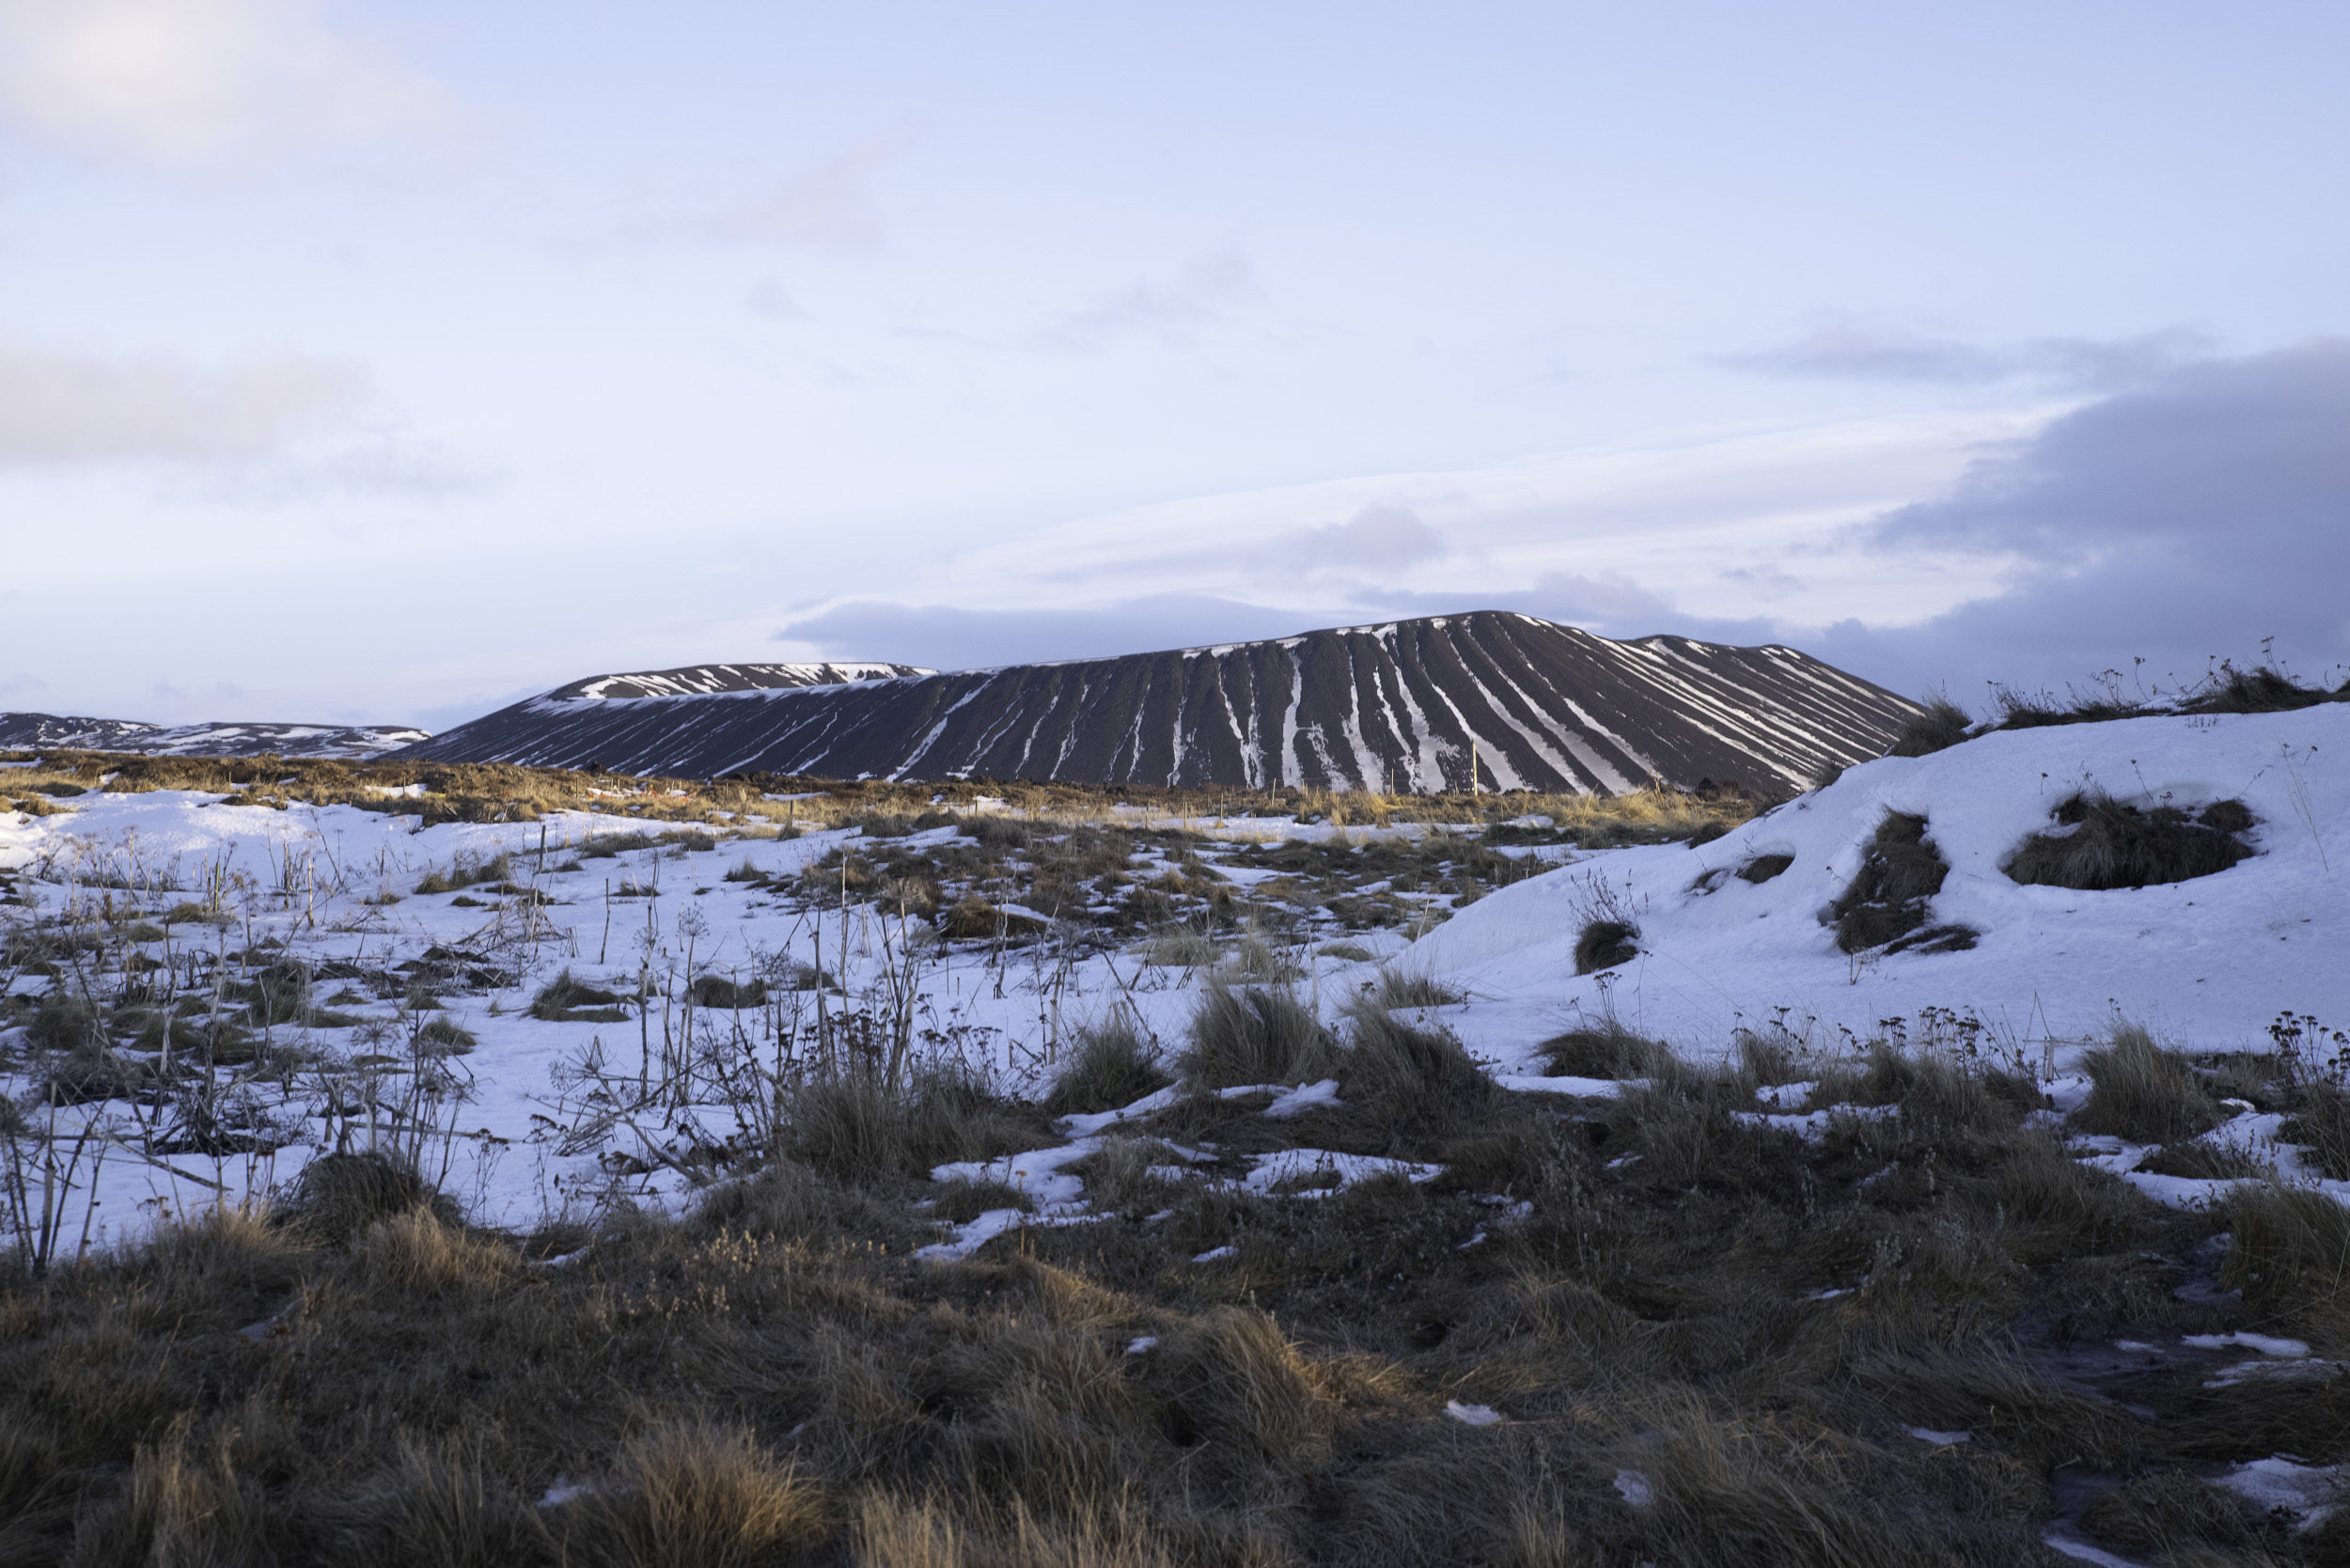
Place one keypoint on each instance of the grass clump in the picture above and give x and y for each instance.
(1607, 1050)
(959, 1202)
(855, 1127)
(690, 1492)
(2287, 1252)
(2144, 1093)
(2106, 844)
(569, 1000)
(1254, 1035)
(339, 1196)
(717, 991)
(1937, 726)
(442, 1037)
(1110, 1065)
(1886, 903)
(1236, 1382)
(1605, 944)
(1407, 1079)
(1402, 988)
(1181, 950)
(2171, 1515)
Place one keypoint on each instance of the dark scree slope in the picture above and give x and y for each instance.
(1395, 705)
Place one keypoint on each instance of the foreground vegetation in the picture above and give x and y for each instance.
(1657, 1324)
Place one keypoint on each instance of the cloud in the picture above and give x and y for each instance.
(947, 638)
(57, 406)
(1610, 603)
(826, 205)
(184, 83)
(1165, 310)
(770, 299)
(1766, 581)
(1380, 537)
(2185, 520)
(1879, 353)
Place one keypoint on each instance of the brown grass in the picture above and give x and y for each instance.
(1652, 1283)
(2143, 1092)
(695, 1494)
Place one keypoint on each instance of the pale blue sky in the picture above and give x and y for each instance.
(372, 362)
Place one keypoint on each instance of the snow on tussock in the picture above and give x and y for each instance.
(2209, 962)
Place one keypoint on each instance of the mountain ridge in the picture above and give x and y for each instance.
(31, 731)
(1407, 704)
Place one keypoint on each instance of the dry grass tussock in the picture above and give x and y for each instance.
(1702, 1338)
(498, 792)
(2227, 687)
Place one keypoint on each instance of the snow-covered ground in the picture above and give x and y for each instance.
(2206, 964)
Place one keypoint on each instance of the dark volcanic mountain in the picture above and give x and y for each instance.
(1403, 705)
(41, 731)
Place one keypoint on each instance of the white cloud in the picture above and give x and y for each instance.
(1164, 309)
(1871, 353)
(56, 406)
(1710, 526)
(826, 205)
(184, 83)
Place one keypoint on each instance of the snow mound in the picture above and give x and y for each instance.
(2211, 961)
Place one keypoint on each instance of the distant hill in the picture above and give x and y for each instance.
(704, 680)
(1403, 704)
(38, 732)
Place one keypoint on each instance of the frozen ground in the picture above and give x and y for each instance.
(524, 1123)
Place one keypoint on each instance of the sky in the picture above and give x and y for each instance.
(373, 363)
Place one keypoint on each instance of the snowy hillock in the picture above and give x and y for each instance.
(2212, 959)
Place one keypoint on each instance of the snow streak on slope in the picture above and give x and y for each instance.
(700, 680)
(1536, 705)
(40, 731)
